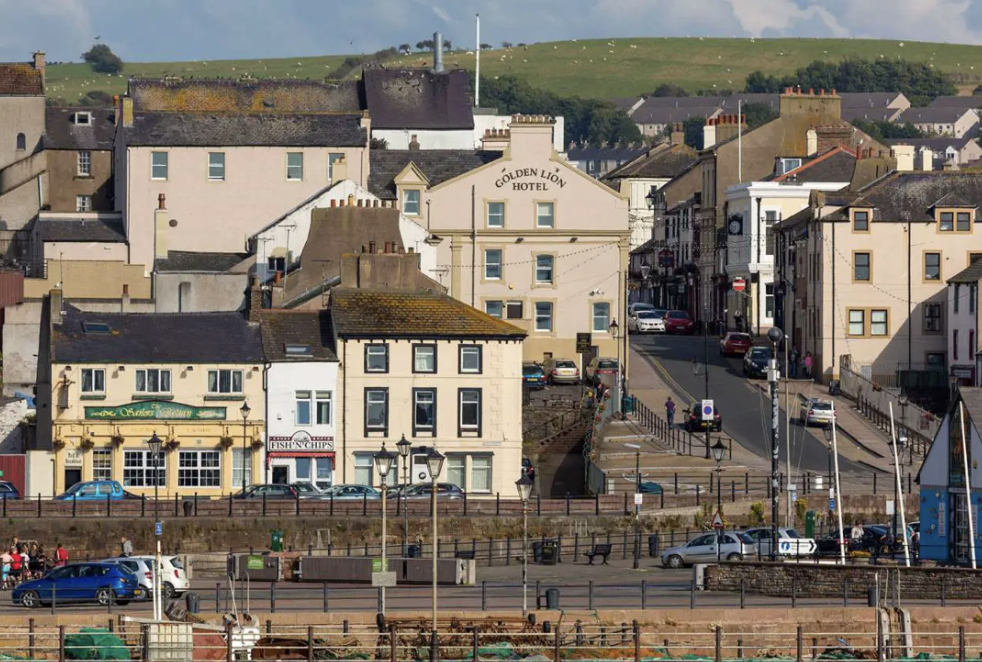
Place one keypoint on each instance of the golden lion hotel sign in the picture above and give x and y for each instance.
(530, 179)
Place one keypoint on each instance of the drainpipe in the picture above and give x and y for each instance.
(344, 411)
(473, 246)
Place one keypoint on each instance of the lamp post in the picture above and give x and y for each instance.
(383, 462)
(719, 450)
(244, 410)
(404, 447)
(706, 378)
(434, 464)
(524, 485)
(775, 335)
(827, 432)
(614, 328)
(637, 506)
(154, 443)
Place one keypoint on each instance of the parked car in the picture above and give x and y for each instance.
(139, 567)
(789, 542)
(647, 487)
(344, 492)
(96, 490)
(646, 321)
(678, 321)
(533, 376)
(307, 490)
(735, 344)
(8, 490)
(735, 546)
(443, 491)
(871, 541)
(755, 362)
(695, 423)
(561, 371)
(80, 582)
(636, 307)
(271, 491)
(173, 576)
(602, 370)
(816, 412)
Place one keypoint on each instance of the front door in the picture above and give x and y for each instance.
(281, 474)
(72, 477)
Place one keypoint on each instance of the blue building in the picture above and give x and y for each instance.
(944, 527)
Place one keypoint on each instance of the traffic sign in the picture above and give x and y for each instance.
(707, 410)
(739, 285)
(717, 520)
(637, 498)
(158, 529)
(831, 504)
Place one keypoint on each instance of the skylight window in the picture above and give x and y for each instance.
(96, 327)
(298, 350)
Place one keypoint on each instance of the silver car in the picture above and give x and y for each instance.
(790, 542)
(735, 546)
(816, 412)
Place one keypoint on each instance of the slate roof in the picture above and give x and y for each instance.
(163, 337)
(81, 229)
(835, 165)
(867, 99)
(167, 129)
(438, 165)
(972, 397)
(655, 110)
(966, 102)
(870, 114)
(660, 162)
(418, 98)
(177, 261)
(970, 274)
(297, 327)
(359, 313)
(19, 79)
(935, 144)
(247, 95)
(914, 192)
(61, 132)
(619, 153)
(936, 115)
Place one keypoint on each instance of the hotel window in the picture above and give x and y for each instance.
(932, 266)
(199, 469)
(84, 160)
(158, 165)
(932, 318)
(545, 214)
(480, 473)
(424, 358)
(376, 410)
(138, 469)
(377, 358)
(322, 401)
(102, 464)
(514, 310)
(861, 264)
(860, 221)
(225, 381)
(216, 165)
(543, 316)
(424, 411)
(93, 380)
(302, 408)
(152, 380)
(457, 471)
(544, 269)
(469, 410)
(492, 264)
(83, 203)
(963, 222)
(241, 467)
(410, 202)
(878, 322)
(331, 160)
(470, 359)
(496, 214)
(294, 166)
(601, 317)
(857, 322)
(946, 221)
(364, 468)
(494, 308)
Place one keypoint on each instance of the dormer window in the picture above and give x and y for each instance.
(83, 118)
(955, 220)
(787, 165)
(860, 221)
(410, 202)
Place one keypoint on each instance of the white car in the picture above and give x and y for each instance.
(816, 412)
(789, 542)
(637, 307)
(646, 321)
(173, 577)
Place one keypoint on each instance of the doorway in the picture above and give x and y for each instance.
(281, 475)
(72, 477)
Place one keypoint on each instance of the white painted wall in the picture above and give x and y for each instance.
(40, 473)
(964, 321)
(483, 123)
(427, 138)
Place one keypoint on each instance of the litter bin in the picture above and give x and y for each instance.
(537, 552)
(627, 404)
(653, 545)
(188, 507)
(276, 544)
(193, 602)
(549, 553)
(872, 596)
(413, 551)
(835, 387)
(552, 598)
(810, 524)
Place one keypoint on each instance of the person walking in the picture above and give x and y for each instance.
(670, 411)
(808, 365)
(793, 362)
(127, 546)
(61, 555)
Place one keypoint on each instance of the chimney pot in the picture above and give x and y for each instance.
(161, 198)
(833, 91)
(811, 91)
(359, 202)
(371, 247)
(341, 203)
(334, 203)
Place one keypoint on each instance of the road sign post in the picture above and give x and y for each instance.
(739, 285)
(707, 410)
(718, 525)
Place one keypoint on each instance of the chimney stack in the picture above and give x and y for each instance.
(371, 247)
(414, 144)
(678, 135)
(39, 65)
(56, 307)
(255, 299)
(160, 224)
(438, 52)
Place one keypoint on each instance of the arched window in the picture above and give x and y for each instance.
(21, 142)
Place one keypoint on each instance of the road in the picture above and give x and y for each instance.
(744, 407)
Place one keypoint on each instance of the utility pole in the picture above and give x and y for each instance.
(773, 376)
(711, 421)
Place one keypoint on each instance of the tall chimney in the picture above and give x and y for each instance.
(160, 229)
(414, 143)
(438, 52)
(255, 299)
(39, 65)
(56, 307)
(124, 301)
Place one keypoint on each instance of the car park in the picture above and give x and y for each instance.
(602, 370)
(678, 321)
(702, 549)
(561, 371)
(344, 492)
(755, 362)
(100, 583)
(789, 542)
(533, 376)
(694, 421)
(272, 491)
(646, 321)
(96, 490)
(737, 344)
(816, 412)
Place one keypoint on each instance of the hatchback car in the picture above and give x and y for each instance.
(789, 542)
(816, 412)
(272, 491)
(602, 370)
(173, 576)
(735, 344)
(101, 583)
(561, 371)
(735, 546)
(678, 321)
(344, 492)
(141, 568)
(8, 490)
(755, 362)
(96, 490)
(443, 491)
(694, 421)
(646, 321)
(533, 376)
(307, 490)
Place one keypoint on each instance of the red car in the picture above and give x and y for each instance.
(678, 321)
(735, 343)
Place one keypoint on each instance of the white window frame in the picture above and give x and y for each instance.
(545, 264)
(475, 470)
(216, 166)
(428, 393)
(371, 353)
(225, 372)
(98, 380)
(241, 463)
(539, 316)
(457, 470)
(539, 216)
(493, 259)
(489, 307)
(605, 326)
(323, 398)
(192, 470)
(138, 469)
(146, 374)
(294, 171)
(102, 463)
(416, 201)
(884, 323)
(470, 351)
(159, 166)
(469, 427)
(83, 203)
(384, 401)
(496, 219)
(861, 321)
(419, 351)
(301, 398)
(83, 163)
(364, 465)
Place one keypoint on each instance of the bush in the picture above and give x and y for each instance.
(103, 60)
(800, 507)
(757, 513)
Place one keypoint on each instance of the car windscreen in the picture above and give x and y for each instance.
(531, 370)
(740, 337)
(565, 364)
(760, 353)
(607, 364)
(792, 533)
(648, 315)
(678, 315)
(822, 406)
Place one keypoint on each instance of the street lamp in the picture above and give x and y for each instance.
(154, 443)
(404, 447)
(775, 336)
(706, 377)
(434, 464)
(637, 506)
(719, 452)
(383, 463)
(524, 485)
(244, 410)
(614, 328)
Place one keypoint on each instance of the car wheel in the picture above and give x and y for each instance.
(103, 596)
(169, 591)
(30, 599)
(734, 557)
(675, 562)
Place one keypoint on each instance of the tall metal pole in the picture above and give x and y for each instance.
(719, 507)
(637, 510)
(773, 376)
(838, 490)
(405, 502)
(899, 488)
(525, 557)
(385, 565)
(158, 606)
(968, 486)
(435, 553)
(711, 421)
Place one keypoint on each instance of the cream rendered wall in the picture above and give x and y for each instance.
(427, 138)
(221, 215)
(21, 114)
(500, 382)
(484, 123)
(641, 218)
(85, 250)
(209, 292)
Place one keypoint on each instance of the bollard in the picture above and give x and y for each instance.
(379, 600)
(743, 596)
(474, 648)
(345, 627)
(739, 649)
(484, 595)
(269, 627)
(799, 644)
(508, 550)
(644, 595)
(61, 643)
(719, 644)
(692, 594)
(325, 598)
(589, 595)
(228, 642)
(576, 546)
(845, 591)
(434, 647)
(30, 638)
(272, 597)
(944, 591)
(625, 546)
(310, 641)
(557, 645)
(961, 643)
(794, 593)
(393, 647)
(636, 632)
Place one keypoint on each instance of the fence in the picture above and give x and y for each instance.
(678, 439)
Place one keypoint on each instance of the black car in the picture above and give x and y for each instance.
(274, 491)
(8, 490)
(874, 540)
(755, 362)
(695, 423)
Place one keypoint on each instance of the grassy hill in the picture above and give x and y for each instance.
(590, 68)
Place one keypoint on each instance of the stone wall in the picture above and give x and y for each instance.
(827, 580)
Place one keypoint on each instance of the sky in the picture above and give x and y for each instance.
(171, 30)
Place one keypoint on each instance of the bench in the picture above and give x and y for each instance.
(468, 555)
(598, 550)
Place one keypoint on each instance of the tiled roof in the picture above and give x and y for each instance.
(936, 115)
(61, 132)
(81, 229)
(912, 192)
(836, 165)
(970, 274)
(867, 99)
(660, 110)
(972, 397)
(438, 165)
(17, 79)
(250, 95)
(965, 102)
(167, 129)
(870, 114)
(421, 314)
(662, 161)
(418, 98)
(297, 327)
(161, 337)
(203, 262)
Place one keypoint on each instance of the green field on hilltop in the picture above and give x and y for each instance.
(597, 68)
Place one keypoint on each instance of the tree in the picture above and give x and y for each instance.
(670, 90)
(506, 44)
(424, 45)
(404, 48)
(103, 60)
(486, 47)
(693, 131)
(758, 114)
(881, 130)
(447, 45)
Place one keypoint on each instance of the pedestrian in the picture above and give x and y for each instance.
(5, 560)
(670, 411)
(15, 566)
(857, 532)
(25, 562)
(808, 365)
(127, 546)
(793, 362)
(738, 320)
(61, 555)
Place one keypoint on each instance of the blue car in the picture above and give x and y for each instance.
(96, 490)
(80, 582)
(533, 376)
